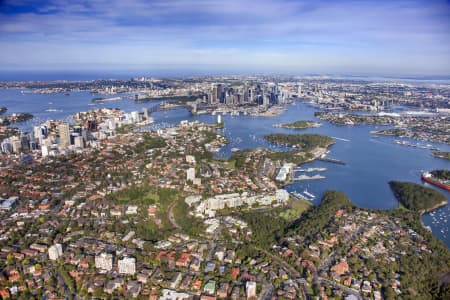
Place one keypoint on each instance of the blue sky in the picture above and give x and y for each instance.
(282, 36)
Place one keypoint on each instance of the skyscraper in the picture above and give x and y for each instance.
(64, 134)
(220, 93)
(214, 95)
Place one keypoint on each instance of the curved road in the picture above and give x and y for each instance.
(171, 217)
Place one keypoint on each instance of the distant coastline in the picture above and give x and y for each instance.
(39, 75)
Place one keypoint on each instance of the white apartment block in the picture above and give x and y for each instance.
(104, 261)
(55, 251)
(127, 265)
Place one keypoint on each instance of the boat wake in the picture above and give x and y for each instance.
(340, 139)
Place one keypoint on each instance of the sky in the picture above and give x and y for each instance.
(229, 36)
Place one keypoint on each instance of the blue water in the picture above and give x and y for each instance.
(371, 161)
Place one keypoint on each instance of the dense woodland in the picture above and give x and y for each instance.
(301, 124)
(416, 197)
(306, 142)
(316, 219)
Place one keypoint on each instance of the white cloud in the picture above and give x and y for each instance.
(407, 35)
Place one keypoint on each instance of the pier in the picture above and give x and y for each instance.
(332, 160)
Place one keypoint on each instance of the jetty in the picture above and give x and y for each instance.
(332, 160)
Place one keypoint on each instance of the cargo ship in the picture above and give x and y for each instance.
(428, 177)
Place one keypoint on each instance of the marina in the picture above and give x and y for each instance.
(310, 170)
(306, 177)
(416, 145)
(305, 195)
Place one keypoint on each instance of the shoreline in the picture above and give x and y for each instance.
(429, 210)
(434, 207)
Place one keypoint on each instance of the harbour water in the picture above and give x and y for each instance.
(370, 161)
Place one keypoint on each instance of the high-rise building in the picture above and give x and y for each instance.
(145, 113)
(40, 133)
(104, 261)
(92, 125)
(6, 146)
(135, 116)
(78, 142)
(64, 135)
(24, 142)
(214, 95)
(44, 150)
(127, 265)
(55, 251)
(220, 97)
(16, 144)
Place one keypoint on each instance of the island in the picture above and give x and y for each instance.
(301, 141)
(443, 155)
(105, 99)
(302, 124)
(416, 197)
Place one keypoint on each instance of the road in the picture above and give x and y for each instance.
(293, 272)
(267, 290)
(171, 217)
(342, 287)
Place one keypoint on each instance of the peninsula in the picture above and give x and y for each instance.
(416, 197)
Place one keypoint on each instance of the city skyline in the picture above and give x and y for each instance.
(295, 37)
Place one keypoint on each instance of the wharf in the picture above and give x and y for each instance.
(332, 160)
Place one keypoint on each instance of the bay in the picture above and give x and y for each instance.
(371, 161)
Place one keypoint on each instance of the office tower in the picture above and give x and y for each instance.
(213, 98)
(16, 144)
(64, 135)
(6, 146)
(220, 97)
(44, 150)
(145, 113)
(78, 142)
(24, 142)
